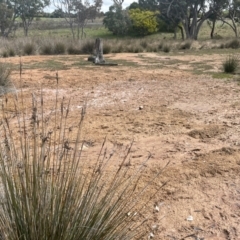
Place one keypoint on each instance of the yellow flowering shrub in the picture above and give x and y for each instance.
(143, 22)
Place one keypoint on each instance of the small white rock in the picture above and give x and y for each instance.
(154, 227)
(190, 218)
(151, 235)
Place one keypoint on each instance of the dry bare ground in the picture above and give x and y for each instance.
(189, 119)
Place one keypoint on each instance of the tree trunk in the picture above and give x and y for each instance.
(235, 28)
(181, 30)
(213, 28)
(72, 30)
(25, 29)
(175, 33)
(99, 51)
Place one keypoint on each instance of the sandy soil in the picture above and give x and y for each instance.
(188, 119)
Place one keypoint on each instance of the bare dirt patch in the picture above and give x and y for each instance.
(190, 120)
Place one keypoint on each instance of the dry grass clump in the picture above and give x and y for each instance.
(11, 52)
(8, 53)
(47, 191)
(166, 48)
(144, 43)
(87, 47)
(107, 48)
(118, 48)
(29, 48)
(59, 48)
(73, 50)
(185, 45)
(231, 64)
(234, 43)
(46, 49)
(6, 84)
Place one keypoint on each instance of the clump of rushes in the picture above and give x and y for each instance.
(6, 84)
(234, 43)
(231, 64)
(166, 48)
(29, 49)
(59, 48)
(185, 45)
(49, 192)
(47, 49)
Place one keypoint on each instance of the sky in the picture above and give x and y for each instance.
(105, 6)
(108, 3)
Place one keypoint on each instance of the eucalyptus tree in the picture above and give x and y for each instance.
(219, 7)
(232, 8)
(190, 14)
(171, 19)
(84, 12)
(28, 9)
(77, 12)
(8, 15)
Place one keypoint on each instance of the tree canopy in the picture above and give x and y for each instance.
(25, 9)
(191, 14)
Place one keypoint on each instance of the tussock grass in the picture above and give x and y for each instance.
(52, 45)
(6, 84)
(87, 47)
(231, 64)
(234, 43)
(11, 52)
(73, 50)
(29, 49)
(59, 48)
(166, 48)
(47, 191)
(185, 45)
(47, 49)
(107, 48)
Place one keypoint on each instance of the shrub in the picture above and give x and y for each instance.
(231, 64)
(234, 43)
(143, 22)
(185, 45)
(73, 50)
(5, 54)
(48, 192)
(222, 46)
(138, 49)
(11, 52)
(87, 47)
(117, 20)
(166, 48)
(5, 81)
(144, 44)
(106, 48)
(47, 49)
(29, 49)
(59, 48)
(119, 48)
(152, 48)
(160, 46)
(130, 48)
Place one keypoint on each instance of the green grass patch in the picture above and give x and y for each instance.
(93, 32)
(222, 75)
(50, 64)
